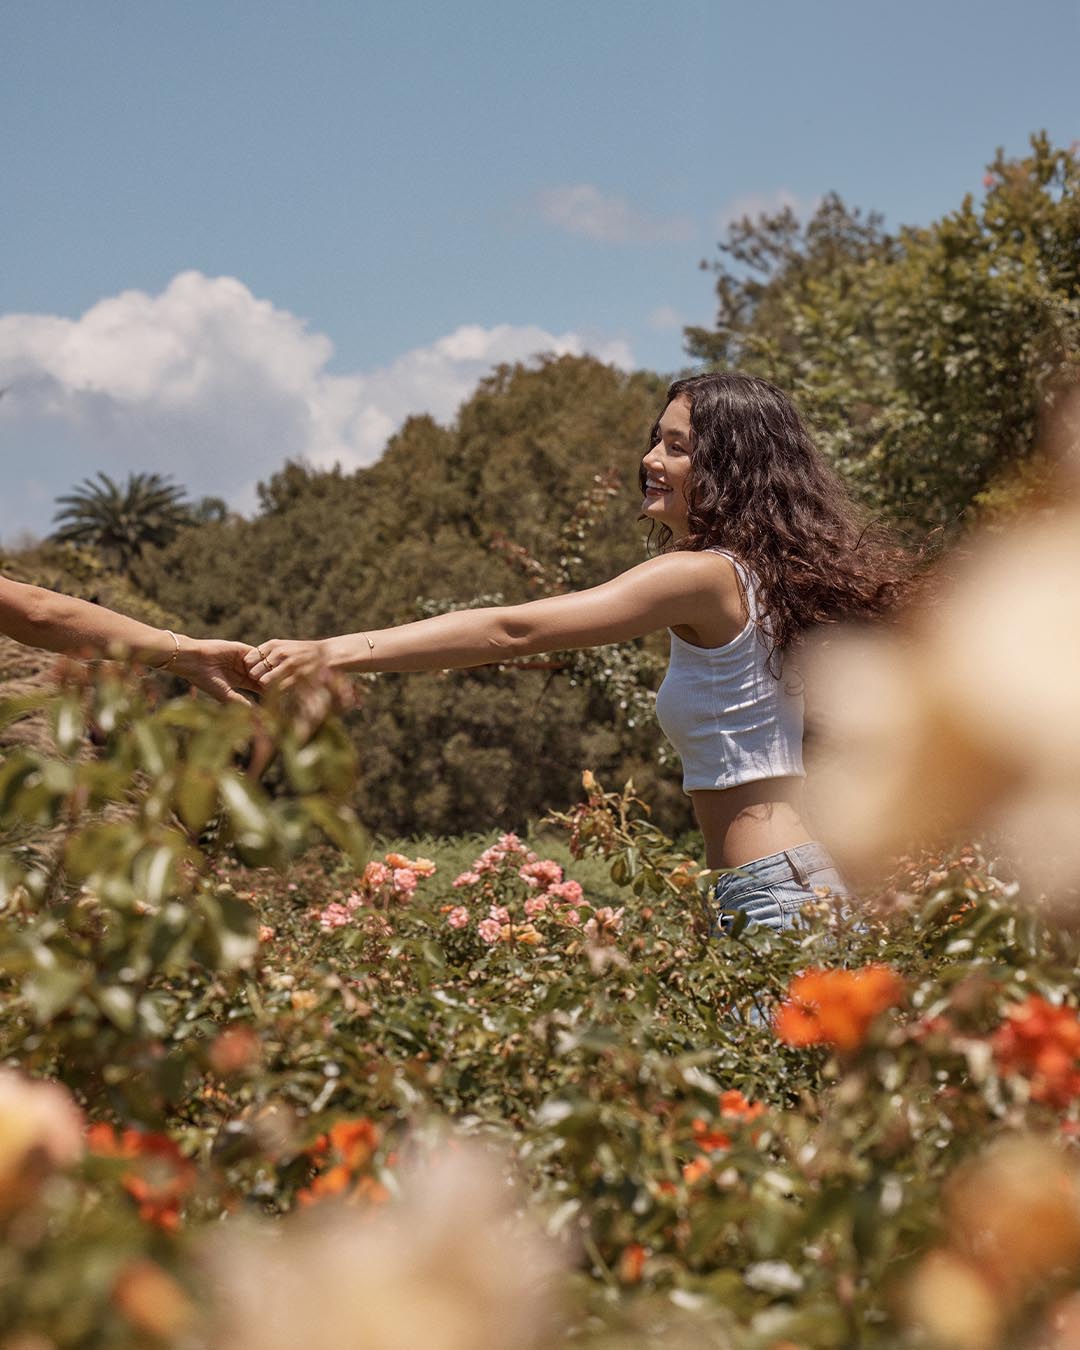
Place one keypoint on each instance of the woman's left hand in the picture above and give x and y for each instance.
(283, 662)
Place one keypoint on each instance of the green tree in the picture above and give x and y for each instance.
(923, 357)
(122, 521)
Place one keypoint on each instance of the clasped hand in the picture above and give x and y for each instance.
(284, 662)
(223, 668)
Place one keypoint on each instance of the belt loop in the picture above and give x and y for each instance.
(802, 876)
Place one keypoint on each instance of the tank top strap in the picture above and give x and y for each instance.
(743, 573)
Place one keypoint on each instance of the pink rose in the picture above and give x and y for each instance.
(458, 917)
(543, 873)
(489, 929)
(404, 880)
(605, 923)
(466, 879)
(569, 892)
(536, 904)
(499, 913)
(334, 916)
(376, 874)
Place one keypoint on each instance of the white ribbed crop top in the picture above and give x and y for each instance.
(729, 718)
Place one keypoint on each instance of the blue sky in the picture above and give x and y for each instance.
(234, 232)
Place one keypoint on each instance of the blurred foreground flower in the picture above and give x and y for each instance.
(151, 1300)
(1012, 1223)
(971, 719)
(40, 1131)
(448, 1267)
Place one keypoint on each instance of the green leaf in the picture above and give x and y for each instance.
(50, 991)
(341, 827)
(196, 796)
(68, 726)
(118, 1005)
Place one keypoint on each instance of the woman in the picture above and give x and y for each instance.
(759, 542)
(62, 623)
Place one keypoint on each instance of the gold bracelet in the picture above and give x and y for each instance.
(175, 651)
(371, 645)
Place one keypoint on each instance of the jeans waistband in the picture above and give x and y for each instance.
(790, 864)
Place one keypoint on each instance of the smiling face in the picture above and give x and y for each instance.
(667, 467)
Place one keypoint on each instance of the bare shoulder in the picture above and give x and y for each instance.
(713, 574)
(714, 605)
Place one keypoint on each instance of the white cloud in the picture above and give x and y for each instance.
(755, 204)
(665, 318)
(582, 208)
(217, 387)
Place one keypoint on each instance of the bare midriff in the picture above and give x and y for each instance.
(751, 820)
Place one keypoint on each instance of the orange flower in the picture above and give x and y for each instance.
(102, 1140)
(348, 1145)
(340, 1181)
(835, 1007)
(333, 1182)
(709, 1141)
(353, 1141)
(1041, 1041)
(695, 1170)
(162, 1175)
(735, 1106)
(632, 1263)
(234, 1051)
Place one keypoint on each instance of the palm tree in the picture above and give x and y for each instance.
(122, 521)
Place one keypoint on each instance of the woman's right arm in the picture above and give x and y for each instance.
(670, 590)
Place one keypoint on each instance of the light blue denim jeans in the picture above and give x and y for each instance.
(771, 891)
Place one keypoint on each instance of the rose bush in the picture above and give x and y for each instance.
(795, 1139)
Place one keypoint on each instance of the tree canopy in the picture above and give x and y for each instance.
(922, 356)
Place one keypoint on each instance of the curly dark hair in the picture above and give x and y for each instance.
(760, 487)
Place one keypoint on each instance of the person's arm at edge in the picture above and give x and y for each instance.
(667, 591)
(65, 624)
(61, 623)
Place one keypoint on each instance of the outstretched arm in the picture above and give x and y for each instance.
(63, 623)
(673, 589)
